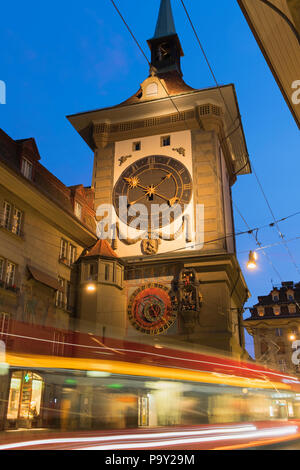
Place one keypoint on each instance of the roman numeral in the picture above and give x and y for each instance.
(151, 162)
(187, 187)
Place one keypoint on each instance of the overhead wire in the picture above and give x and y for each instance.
(258, 181)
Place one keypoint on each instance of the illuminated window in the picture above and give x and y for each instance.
(292, 308)
(10, 274)
(25, 396)
(276, 310)
(17, 221)
(261, 311)
(26, 168)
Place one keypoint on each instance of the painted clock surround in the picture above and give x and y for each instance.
(125, 157)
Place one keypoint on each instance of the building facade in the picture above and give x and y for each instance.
(44, 227)
(275, 324)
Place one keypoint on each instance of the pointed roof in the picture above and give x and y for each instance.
(101, 248)
(165, 24)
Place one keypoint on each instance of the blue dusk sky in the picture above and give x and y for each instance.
(65, 57)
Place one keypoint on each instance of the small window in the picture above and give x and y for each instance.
(60, 296)
(26, 168)
(78, 210)
(165, 141)
(136, 146)
(261, 311)
(93, 272)
(10, 274)
(7, 212)
(278, 332)
(292, 308)
(68, 295)
(72, 254)
(276, 310)
(63, 250)
(107, 272)
(1, 269)
(17, 221)
(275, 295)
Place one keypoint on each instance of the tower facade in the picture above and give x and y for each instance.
(176, 152)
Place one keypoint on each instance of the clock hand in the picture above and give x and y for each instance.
(171, 201)
(163, 180)
(134, 202)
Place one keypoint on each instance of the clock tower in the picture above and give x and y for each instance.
(164, 164)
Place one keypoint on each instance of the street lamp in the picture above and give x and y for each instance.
(252, 260)
(91, 288)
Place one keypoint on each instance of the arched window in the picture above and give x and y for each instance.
(152, 89)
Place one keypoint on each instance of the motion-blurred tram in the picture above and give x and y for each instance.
(73, 382)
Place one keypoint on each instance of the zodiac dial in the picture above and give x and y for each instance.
(150, 309)
(152, 180)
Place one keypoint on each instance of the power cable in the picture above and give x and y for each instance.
(276, 222)
(214, 77)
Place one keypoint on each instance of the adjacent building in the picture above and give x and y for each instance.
(276, 27)
(275, 324)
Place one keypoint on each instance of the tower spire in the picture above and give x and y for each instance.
(165, 46)
(165, 23)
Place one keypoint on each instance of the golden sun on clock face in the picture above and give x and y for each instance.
(156, 179)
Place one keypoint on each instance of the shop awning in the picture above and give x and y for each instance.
(44, 278)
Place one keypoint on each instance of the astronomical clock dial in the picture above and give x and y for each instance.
(152, 180)
(150, 309)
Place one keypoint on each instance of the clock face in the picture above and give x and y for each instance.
(150, 309)
(158, 180)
